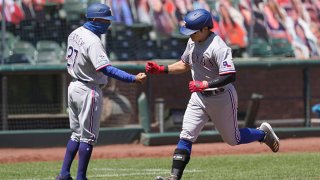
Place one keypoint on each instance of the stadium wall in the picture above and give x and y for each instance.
(282, 83)
(282, 88)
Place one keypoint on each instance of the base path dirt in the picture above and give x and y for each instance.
(13, 155)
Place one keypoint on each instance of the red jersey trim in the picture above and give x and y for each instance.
(103, 67)
(227, 72)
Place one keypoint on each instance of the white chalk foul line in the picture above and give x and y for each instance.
(134, 172)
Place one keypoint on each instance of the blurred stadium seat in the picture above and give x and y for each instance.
(120, 55)
(260, 48)
(170, 54)
(173, 47)
(175, 41)
(19, 58)
(146, 54)
(11, 27)
(6, 53)
(48, 57)
(25, 47)
(10, 39)
(281, 47)
(54, 29)
(48, 45)
(27, 31)
(48, 52)
(126, 42)
(147, 49)
(74, 9)
(93, 1)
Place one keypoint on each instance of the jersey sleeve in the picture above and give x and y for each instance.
(224, 61)
(185, 56)
(98, 56)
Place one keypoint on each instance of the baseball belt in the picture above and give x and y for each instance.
(87, 82)
(213, 92)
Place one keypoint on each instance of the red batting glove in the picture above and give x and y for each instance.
(154, 68)
(198, 86)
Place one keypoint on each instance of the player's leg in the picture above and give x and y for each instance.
(73, 143)
(224, 115)
(270, 139)
(222, 109)
(249, 135)
(89, 118)
(193, 122)
(180, 159)
(263, 134)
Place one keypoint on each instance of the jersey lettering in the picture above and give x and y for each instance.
(71, 56)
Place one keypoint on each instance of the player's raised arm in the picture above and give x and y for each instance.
(175, 68)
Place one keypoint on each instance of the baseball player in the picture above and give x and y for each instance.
(89, 66)
(213, 95)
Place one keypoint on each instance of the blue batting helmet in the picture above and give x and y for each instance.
(196, 20)
(98, 10)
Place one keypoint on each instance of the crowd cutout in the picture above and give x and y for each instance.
(236, 21)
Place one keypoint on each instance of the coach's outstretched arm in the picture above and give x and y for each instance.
(118, 74)
(175, 68)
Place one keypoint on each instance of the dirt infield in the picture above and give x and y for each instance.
(9, 155)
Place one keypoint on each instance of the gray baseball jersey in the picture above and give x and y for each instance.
(208, 60)
(85, 56)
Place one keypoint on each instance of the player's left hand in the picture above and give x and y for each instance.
(141, 78)
(198, 86)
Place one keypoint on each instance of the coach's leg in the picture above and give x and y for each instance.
(90, 123)
(71, 151)
(73, 143)
(85, 151)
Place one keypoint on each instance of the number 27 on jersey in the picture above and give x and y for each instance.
(71, 56)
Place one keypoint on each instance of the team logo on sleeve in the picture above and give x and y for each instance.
(102, 57)
(225, 64)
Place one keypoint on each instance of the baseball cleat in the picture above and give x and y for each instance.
(59, 177)
(270, 139)
(171, 177)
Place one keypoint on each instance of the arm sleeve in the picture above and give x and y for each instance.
(98, 56)
(118, 74)
(185, 56)
(222, 80)
(224, 61)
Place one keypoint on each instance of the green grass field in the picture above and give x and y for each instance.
(260, 166)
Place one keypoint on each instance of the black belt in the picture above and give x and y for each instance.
(213, 92)
(86, 82)
(82, 81)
